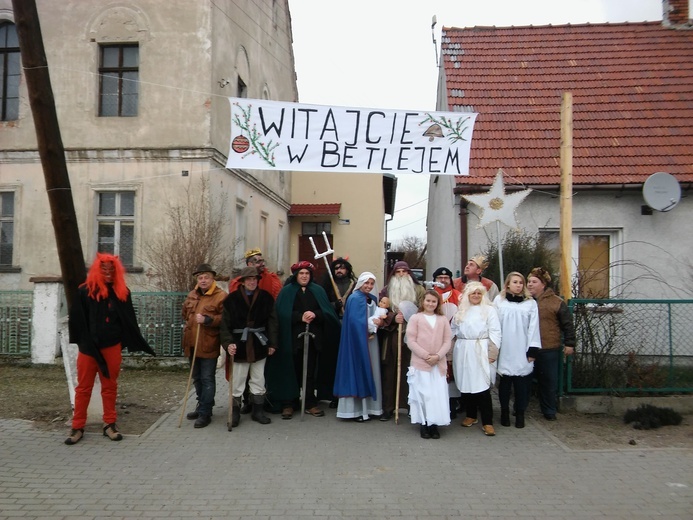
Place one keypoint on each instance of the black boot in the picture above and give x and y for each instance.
(258, 412)
(505, 417)
(236, 412)
(453, 408)
(193, 415)
(424, 431)
(519, 419)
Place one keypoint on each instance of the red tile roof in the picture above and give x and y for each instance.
(632, 87)
(314, 210)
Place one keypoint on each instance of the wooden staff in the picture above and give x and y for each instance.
(229, 419)
(192, 366)
(399, 371)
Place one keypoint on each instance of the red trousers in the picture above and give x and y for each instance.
(86, 374)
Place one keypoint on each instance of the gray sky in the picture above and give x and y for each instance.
(380, 54)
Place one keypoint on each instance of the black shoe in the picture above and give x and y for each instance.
(549, 417)
(505, 418)
(433, 430)
(192, 416)
(361, 419)
(386, 416)
(425, 433)
(334, 403)
(202, 421)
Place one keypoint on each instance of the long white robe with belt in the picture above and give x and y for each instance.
(470, 364)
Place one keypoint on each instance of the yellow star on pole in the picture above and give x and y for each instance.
(496, 205)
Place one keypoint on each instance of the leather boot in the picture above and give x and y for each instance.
(258, 412)
(236, 412)
(519, 419)
(505, 417)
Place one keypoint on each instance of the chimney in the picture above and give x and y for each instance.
(675, 13)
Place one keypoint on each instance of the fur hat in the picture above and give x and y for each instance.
(248, 272)
(542, 274)
(302, 265)
(481, 261)
(204, 268)
(442, 271)
(252, 252)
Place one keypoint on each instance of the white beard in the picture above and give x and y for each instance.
(401, 289)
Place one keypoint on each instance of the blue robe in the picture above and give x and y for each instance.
(354, 376)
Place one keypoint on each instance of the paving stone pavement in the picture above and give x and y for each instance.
(324, 468)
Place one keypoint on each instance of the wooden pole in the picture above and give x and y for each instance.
(50, 146)
(566, 230)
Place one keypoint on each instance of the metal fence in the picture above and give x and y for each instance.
(158, 315)
(160, 321)
(631, 346)
(15, 322)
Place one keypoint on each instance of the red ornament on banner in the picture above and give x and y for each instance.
(240, 144)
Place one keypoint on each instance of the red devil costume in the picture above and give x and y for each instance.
(102, 323)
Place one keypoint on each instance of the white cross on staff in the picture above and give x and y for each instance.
(327, 264)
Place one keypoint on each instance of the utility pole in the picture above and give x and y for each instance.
(50, 147)
(566, 229)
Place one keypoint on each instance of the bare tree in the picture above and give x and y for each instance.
(414, 249)
(194, 234)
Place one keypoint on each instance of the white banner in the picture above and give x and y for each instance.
(272, 135)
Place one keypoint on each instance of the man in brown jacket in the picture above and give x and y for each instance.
(202, 311)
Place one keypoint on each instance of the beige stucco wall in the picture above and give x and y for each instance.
(361, 196)
(186, 49)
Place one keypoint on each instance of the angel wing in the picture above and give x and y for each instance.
(449, 309)
(408, 309)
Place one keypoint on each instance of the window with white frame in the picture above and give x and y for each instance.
(596, 260)
(6, 227)
(116, 225)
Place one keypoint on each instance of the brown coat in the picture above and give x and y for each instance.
(208, 305)
(555, 321)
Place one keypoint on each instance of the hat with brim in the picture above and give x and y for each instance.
(248, 272)
(204, 268)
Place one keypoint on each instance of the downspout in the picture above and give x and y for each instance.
(464, 254)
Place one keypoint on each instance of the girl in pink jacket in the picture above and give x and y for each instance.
(429, 339)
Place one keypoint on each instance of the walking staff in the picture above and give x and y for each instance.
(229, 420)
(192, 367)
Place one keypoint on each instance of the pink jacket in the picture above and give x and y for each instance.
(423, 340)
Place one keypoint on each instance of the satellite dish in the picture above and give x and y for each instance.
(661, 191)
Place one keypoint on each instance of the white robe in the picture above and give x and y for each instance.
(473, 372)
(520, 329)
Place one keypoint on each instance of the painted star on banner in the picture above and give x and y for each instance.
(496, 205)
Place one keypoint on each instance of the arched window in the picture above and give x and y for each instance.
(9, 72)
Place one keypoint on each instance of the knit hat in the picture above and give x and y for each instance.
(542, 274)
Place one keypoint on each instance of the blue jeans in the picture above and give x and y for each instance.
(546, 368)
(205, 382)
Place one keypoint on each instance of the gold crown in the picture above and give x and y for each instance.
(252, 252)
